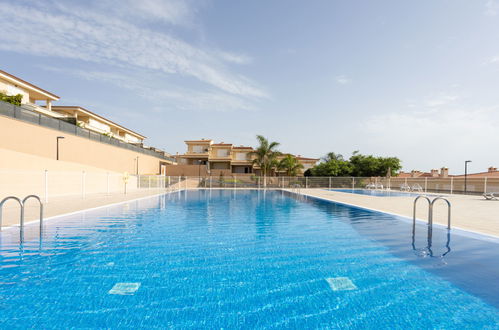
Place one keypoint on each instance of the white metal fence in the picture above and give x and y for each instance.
(448, 185)
(49, 184)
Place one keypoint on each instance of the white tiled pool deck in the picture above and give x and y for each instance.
(472, 213)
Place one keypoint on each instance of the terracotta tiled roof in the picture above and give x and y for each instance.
(494, 174)
(198, 141)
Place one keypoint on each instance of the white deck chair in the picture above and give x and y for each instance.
(491, 196)
(405, 187)
(417, 187)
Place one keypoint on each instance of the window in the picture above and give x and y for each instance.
(197, 149)
(222, 152)
(241, 156)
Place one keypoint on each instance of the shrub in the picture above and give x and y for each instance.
(13, 99)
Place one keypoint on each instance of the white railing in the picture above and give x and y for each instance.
(49, 184)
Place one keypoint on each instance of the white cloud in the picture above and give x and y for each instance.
(494, 60)
(491, 8)
(434, 136)
(169, 11)
(441, 100)
(235, 58)
(163, 95)
(343, 80)
(82, 34)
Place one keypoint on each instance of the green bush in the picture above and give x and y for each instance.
(13, 99)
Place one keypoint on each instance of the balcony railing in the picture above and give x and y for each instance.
(20, 113)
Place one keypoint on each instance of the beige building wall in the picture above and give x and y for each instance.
(186, 170)
(23, 174)
(40, 141)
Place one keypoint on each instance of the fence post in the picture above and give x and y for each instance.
(306, 182)
(235, 181)
(107, 183)
(210, 182)
(329, 182)
(425, 184)
(149, 180)
(46, 186)
(451, 185)
(353, 183)
(83, 184)
(485, 185)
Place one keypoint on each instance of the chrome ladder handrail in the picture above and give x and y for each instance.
(414, 211)
(22, 204)
(448, 209)
(4, 201)
(431, 204)
(41, 211)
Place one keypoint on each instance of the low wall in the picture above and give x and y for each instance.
(40, 141)
(186, 170)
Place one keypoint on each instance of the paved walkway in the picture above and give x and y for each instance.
(63, 205)
(473, 213)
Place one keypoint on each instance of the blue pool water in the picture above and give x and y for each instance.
(377, 193)
(244, 259)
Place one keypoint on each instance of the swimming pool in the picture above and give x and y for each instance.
(377, 193)
(235, 259)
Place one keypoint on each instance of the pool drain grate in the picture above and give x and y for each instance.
(124, 288)
(341, 284)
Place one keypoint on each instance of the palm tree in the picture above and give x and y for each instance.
(265, 156)
(332, 156)
(291, 165)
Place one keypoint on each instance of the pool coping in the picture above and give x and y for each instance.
(462, 231)
(3, 229)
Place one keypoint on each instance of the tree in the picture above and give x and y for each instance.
(265, 156)
(332, 156)
(332, 168)
(357, 165)
(368, 165)
(290, 164)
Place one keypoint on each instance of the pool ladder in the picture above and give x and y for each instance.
(431, 204)
(22, 204)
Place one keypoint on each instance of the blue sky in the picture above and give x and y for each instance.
(413, 79)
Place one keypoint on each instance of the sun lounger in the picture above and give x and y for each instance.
(417, 188)
(405, 187)
(491, 196)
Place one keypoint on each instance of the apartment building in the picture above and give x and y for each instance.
(92, 121)
(69, 133)
(226, 158)
(33, 97)
(41, 101)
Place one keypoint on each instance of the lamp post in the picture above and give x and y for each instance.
(466, 175)
(57, 148)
